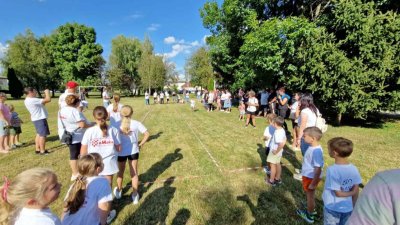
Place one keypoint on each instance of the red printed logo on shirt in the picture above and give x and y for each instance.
(99, 142)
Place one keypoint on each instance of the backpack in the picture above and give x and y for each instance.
(321, 123)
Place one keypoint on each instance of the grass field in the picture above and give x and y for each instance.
(194, 169)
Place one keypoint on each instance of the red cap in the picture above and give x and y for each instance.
(72, 84)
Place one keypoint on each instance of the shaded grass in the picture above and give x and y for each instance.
(188, 187)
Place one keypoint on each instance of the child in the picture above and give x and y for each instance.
(268, 132)
(294, 116)
(276, 145)
(192, 104)
(341, 183)
(5, 121)
(311, 171)
(113, 111)
(15, 130)
(26, 200)
(105, 140)
(130, 147)
(242, 110)
(88, 200)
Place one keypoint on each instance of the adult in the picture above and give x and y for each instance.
(5, 121)
(252, 104)
(161, 97)
(379, 202)
(174, 97)
(228, 101)
(198, 94)
(167, 96)
(75, 122)
(70, 90)
(147, 98)
(222, 95)
(308, 118)
(39, 116)
(264, 102)
(272, 101)
(106, 97)
(283, 105)
(155, 95)
(113, 111)
(210, 100)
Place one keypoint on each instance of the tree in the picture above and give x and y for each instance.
(124, 62)
(75, 52)
(15, 86)
(199, 69)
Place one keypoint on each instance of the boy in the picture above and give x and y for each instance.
(341, 183)
(311, 171)
(268, 132)
(276, 145)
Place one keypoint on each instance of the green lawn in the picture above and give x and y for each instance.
(194, 168)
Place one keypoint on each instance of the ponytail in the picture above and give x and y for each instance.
(100, 113)
(116, 102)
(87, 167)
(126, 114)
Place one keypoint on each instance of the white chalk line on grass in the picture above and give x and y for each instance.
(145, 116)
(203, 145)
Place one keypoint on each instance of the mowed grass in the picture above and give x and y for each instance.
(195, 168)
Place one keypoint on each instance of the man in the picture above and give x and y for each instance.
(264, 103)
(39, 115)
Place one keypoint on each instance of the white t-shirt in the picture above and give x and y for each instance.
(106, 96)
(155, 95)
(210, 98)
(252, 100)
(340, 178)
(268, 132)
(146, 95)
(98, 191)
(278, 137)
(36, 217)
(312, 158)
(115, 117)
(223, 97)
(311, 117)
(129, 143)
(166, 94)
(36, 108)
(70, 117)
(105, 146)
(61, 99)
(161, 95)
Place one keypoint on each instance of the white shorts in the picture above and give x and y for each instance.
(274, 159)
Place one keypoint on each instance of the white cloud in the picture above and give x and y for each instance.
(195, 43)
(176, 49)
(169, 40)
(3, 49)
(134, 16)
(153, 27)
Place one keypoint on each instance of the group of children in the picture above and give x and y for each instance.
(342, 179)
(10, 126)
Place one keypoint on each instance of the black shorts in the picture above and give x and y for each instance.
(266, 151)
(42, 127)
(74, 151)
(129, 157)
(250, 113)
(263, 108)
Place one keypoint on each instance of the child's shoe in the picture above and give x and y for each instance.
(135, 198)
(117, 194)
(305, 216)
(269, 183)
(13, 146)
(111, 216)
(278, 182)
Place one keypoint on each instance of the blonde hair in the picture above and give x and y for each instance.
(252, 94)
(87, 167)
(11, 106)
(101, 113)
(116, 98)
(30, 184)
(126, 114)
(271, 117)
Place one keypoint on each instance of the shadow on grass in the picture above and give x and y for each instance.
(181, 217)
(154, 136)
(278, 205)
(290, 156)
(263, 156)
(154, 208)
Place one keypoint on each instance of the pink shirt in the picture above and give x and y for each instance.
(5, 111)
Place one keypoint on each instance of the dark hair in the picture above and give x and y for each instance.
(342, 146)
(101, 113)
(279, 121)
(307, 101)
(314, 132)
(28, 89)
(72, 100)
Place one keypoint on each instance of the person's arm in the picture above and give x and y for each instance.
(303, 125)
(84, 150)
(351, 193)
(146, 136)
(282, 101)
(356, 191)
(47, 97)
(83, 124)
(280, 148)
(317, 174)
(104, 210)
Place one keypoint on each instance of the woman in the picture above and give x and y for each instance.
(283, 105)
(252, 104)
(5, 121)
(308, 118)
(74, 122)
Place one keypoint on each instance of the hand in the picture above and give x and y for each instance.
(275, 152)
(298, 142)
(311, 186)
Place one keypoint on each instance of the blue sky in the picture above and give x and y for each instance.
(174, 26)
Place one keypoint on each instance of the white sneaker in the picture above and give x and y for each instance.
(298, 177)
(111, 216)
(135, 198)
(117, 193)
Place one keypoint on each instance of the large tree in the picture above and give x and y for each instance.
(75, 51)
(199, 69)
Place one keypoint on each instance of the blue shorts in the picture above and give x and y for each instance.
(335, 218)
(3, 129)
(42, 128)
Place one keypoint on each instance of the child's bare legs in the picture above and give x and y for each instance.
(310, 201)
(2, 148)
(273, 174)
(6, 144)
(134, 175)
(16, 140)
(247, 119)
(13, 140)
(253, 119)
(120, 176)
(37, 141)
(278, 171)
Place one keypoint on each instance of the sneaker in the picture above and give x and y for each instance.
(37, 152)
(254, 127)
(278, 182)
(268, 182)
(305, 216)
(45, 152)
(298, 171)
(135, 198)
(111, 216)
(13, 146)
(298, 176)
(267, 171)
(117, 193)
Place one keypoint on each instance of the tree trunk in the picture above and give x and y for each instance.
(53, 93)
(338, 119)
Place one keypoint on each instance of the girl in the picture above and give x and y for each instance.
(294, 114)
(104, 140)
(113, 111)
(227, 102)
(242, 110)
(5, 121)
(26, 200)
(130, 151)
(15, 130)
(74, 122)
(252, 105)
(88, 200)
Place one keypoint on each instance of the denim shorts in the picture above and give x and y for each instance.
(335, 218)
